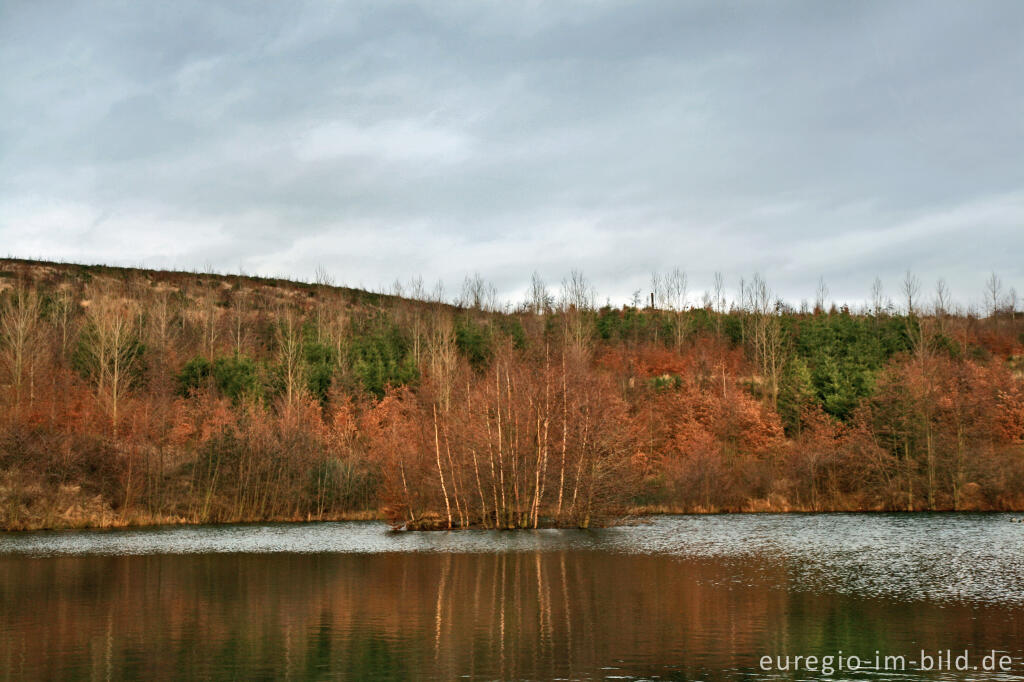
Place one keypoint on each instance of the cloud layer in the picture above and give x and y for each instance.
(382, 141)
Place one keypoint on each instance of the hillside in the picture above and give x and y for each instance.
(135, 396)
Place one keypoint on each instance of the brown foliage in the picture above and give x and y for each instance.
(553, 427)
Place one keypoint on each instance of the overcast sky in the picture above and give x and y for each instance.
(384, 140)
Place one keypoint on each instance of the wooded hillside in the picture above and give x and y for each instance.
(134, 396)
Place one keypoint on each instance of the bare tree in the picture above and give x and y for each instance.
(676, 287)
(322, 277)
(110, 347)
(658, 297)
(538, 299)
(943, 301)
(911, 289)
(437, 294)
(415, 317)
(478, 294)
(210, 325)
(943, 297)
(239, 313)
(919, 328)
(821, 297)
(577, 303)
(440, 470)
(766, 335)
(20, 342)
(877, 297)
(668, 292)
(415, 289)
(577, 292)
(993, 293)
(288, 337)
(158, 321)
(62, 316)
(338, 333)
(718, 287)
(443, 356)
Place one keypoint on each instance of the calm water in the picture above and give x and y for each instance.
(680, 598)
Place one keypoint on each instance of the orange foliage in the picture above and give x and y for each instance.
(555, 427)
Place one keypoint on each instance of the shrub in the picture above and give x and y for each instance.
(475, 343)
(380, 359)
(193, 375)
(237, 377)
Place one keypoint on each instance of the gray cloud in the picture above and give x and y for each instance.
(381, 140)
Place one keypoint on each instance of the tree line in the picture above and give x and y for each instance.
(133, 396)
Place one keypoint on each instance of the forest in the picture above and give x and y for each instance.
(133, 397)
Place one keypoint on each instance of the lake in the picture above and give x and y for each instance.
(680, 597)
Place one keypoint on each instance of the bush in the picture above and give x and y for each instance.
(381, 359)
(320, 361)
(237, 377)
(193, 375)
(475, 343)
(513, 328)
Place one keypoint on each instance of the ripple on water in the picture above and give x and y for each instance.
(939, 557)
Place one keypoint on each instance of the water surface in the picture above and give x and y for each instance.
(684, 597)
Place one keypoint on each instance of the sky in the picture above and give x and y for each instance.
(382, 141)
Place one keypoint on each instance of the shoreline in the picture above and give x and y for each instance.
(635, 516)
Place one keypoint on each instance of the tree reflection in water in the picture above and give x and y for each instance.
(535, 615)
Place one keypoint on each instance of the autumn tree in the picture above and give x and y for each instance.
(576, 308)
(290, 360)
(20, 342)
(109, 349)
(766, 336)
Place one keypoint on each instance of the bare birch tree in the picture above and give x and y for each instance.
(993, 293)
(20, 340)
(288, 337)
(109, 347)
(577, 304)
